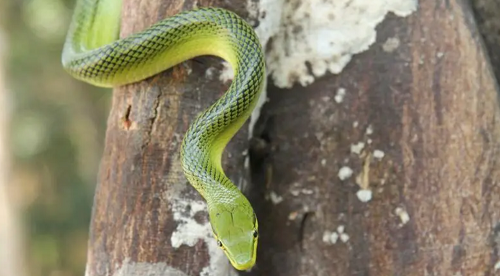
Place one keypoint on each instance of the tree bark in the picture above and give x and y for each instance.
(419, 128)
(487, 13)
(146, 219)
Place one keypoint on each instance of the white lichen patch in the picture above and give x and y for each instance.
(324, 34)
(129, 268)
(246, 163)
(391, 44)
(378, 154)
(369, 130)
(189, 232)
(363, 180)
(307, 191)
(187, 228)
(334, 237)
(330, 237)
(340, 229)
(209, 73)
(497, 266)
(344, 173)
(357, 148)
(421, 61)
(227, 73)
(275, 198)
(293, 215)
(188, 68)
(364, 195)
(326, 236)
(339, 97)
(403, 215)
(344, 237)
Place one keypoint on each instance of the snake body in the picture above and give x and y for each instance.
(94, 53)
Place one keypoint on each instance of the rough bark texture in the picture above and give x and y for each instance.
(140, 174)
(431, 106)
(488, 20)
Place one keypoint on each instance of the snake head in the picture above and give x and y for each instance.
(235, 228)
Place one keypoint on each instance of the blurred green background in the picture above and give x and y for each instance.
(55, 137)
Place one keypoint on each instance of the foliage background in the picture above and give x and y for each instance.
(55, 138)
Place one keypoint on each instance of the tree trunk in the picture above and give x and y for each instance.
(146, 219)
(418, 127)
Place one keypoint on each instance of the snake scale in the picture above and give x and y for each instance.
(94, 53)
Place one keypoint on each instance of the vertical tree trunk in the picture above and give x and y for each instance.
(146, 219)
(418, 128)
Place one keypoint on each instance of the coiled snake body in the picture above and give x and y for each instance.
(94, 54)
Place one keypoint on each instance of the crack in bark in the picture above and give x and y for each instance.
(305, 218)
(152, 120)
(126, 118)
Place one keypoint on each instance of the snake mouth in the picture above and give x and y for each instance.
(244, 257)
(243, 261)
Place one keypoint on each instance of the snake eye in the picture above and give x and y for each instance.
(255, 234)
(219, 243)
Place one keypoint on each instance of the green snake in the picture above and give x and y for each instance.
(94, 53)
